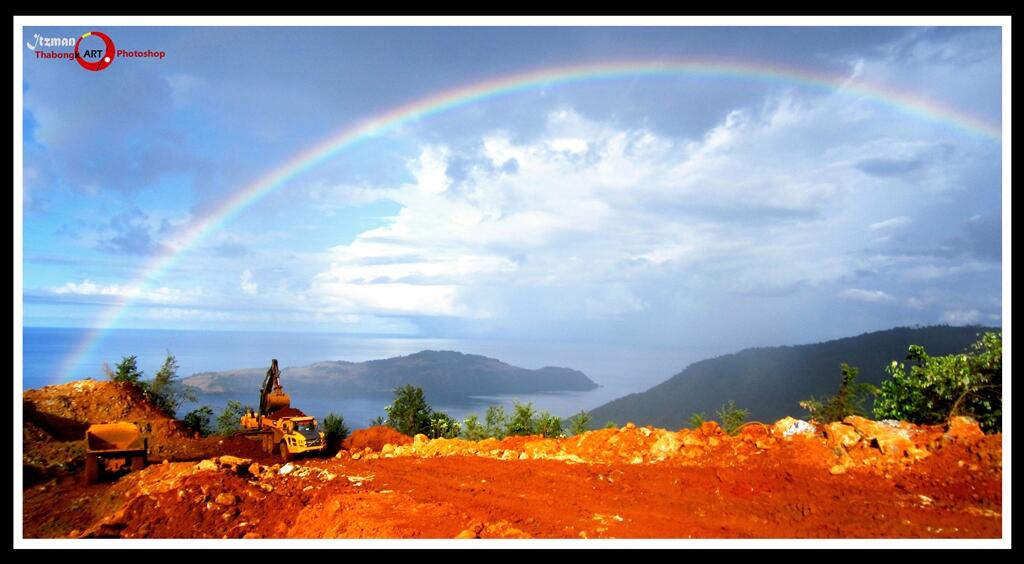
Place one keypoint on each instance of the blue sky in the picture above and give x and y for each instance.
(665, 210)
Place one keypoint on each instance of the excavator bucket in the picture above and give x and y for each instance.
(278, 400)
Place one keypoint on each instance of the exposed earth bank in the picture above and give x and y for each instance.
(792, 479)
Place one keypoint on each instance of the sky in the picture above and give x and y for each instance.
(685, 208)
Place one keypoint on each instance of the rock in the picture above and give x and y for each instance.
(713, 441)
(837, 469)
(963, 428)
(419, 440)
(666, 444)
(166, 461)
(206, 465)
(357, 455)
(710, 429)
(889, 437)
(754, 431)
(692, 439)
(790, 426)
(764, 443)
(388, 448)
(467, 534)
(254, 469)
(252, 536)
(226, 499)
(838, 434)
(233, 461)
(286, 469)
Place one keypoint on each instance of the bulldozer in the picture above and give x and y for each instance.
(112, 441)
(280, 426)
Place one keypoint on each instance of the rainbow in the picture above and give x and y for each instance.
(395, 118)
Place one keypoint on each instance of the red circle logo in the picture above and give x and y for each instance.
(108, 53)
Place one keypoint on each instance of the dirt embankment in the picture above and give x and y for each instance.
(792, 479)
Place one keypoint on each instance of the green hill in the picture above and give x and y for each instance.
(771, 381)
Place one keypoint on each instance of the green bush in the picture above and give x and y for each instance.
(580, 423)
(409, 413)
(732, 417)
(522, 420)
(335, 430)
(198, 420)
(849, 401)
(495, 422)
(443, 426)
(472, 430)
(939, 387)
(696, 420)
(611, 424)
(165, 392)
(548, 425)
(230, 420)
(128, 371)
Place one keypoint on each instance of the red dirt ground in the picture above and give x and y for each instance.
(859, 479)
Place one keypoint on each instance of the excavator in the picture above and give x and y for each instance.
(279, 425)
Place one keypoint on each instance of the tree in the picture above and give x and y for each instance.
(230, 420)
(198, 420)
(610, 424)
(443, 426)
(522, 422)
(164, 390)
(378, 422)
(732, 417)
(937, 388)
(128, 371)
(409, 413)
(335, 430)
(849, 401)
(580, 423)
(696, 420)
(495, 422)
(472, 430)
(548, 425)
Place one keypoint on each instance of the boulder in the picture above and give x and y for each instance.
(790, 427)
(890, 437)
(839, 434)
(961, 428)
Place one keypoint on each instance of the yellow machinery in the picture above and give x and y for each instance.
(278, 425)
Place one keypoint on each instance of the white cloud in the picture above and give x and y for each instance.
(962, 316)
(870, 296)
(248, 285)
(162, 294)
(890, 223)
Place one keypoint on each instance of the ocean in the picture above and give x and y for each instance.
(619, 369)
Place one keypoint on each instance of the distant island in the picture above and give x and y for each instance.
(771, 381)
(441, 374)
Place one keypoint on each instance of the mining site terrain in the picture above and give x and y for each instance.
(783, 479)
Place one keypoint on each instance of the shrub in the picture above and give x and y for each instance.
(939, 387)
(610, 424)
(548, 425)
(732, 417)
(472, 430)
(230, 420)
(696, 420)
(164, 390)
(580, 423)
(198, 420)
(128, 371)
(335, 430)
(495, 422)
(849, 401)
(409, 413)
(443, 426)
(521, 422)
